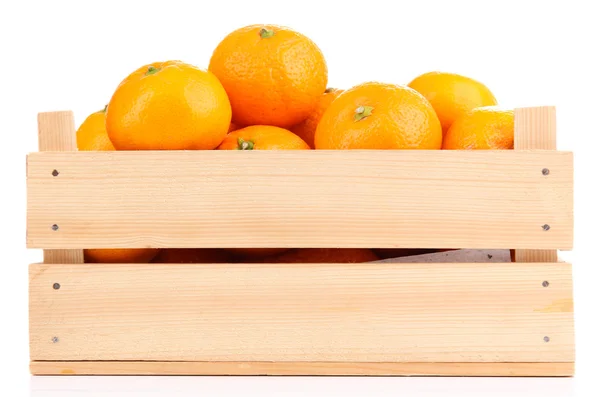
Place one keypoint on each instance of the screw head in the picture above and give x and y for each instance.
(545, 284)
(545, 171)
(546, 227)
(55, 173)
(56, 286)
(55, 227)
(54, 339)
(546, 339)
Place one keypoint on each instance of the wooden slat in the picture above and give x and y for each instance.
(536, 256)
(297, 368)
(495, 312)
(535, 128)
(425, 199)
(56, 132)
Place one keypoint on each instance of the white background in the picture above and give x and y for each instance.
(57, 55)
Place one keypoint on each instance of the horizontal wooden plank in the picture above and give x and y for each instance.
(297, 368)
(493, 312)
(385, 199)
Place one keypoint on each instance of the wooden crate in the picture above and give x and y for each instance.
(480, 319)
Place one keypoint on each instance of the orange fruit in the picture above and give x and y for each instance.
(92, 135)
(168, 106)
(263, 137)
(452, 95)
(233, 127)
(379, 116)
(324, 255)
(192, 255)
(272, 74)
(306, 129)
(253, 253)
(386, 253)
(482, 128)
(124, 255)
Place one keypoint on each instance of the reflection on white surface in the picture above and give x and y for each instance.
(300, 386)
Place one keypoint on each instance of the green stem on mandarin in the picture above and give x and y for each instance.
(362, 111)
(266, 33)
(245, 145)
(152, 70)
(104, 110)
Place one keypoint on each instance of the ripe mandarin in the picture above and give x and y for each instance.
(486, 128)
(306, 129)
(262, 137)
(379, 116)
(272, 74)
(452, 95)
(91, 134)
(168, 106)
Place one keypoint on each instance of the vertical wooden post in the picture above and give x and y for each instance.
(535, 128)
(56, 133)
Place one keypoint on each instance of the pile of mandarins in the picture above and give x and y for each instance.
(266, 89)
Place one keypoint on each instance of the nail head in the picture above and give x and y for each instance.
(545, 284)
(56, 286)
(55, 173)
(545, 171)
(55, 339)
(546, 339)
(55, 227)
(546, 227)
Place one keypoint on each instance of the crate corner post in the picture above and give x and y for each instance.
(56, 133)
(535, 128)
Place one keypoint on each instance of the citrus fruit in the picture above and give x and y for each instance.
(323, 255)
(168, 106)
(272, 74)
(124, 255)
(452, 95)
(233, 127)
(91, 134)
(306, 129)
(254, 253)
(483, 128)
(386, 253)
(192, 255)
(263, 137)
(379, 116)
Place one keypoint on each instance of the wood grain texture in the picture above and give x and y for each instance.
(297, 368)
(536, 256)
(56, 132)
(496, 312)
(425, 199)
(535, 128)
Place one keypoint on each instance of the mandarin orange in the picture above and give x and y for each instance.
(452, 95)
(306, 129)
(168, 106)
(192, 255)
(91, 134)
(272, 74)
(120, 255)
(379, 116)
(486, 128)
(263, 137)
